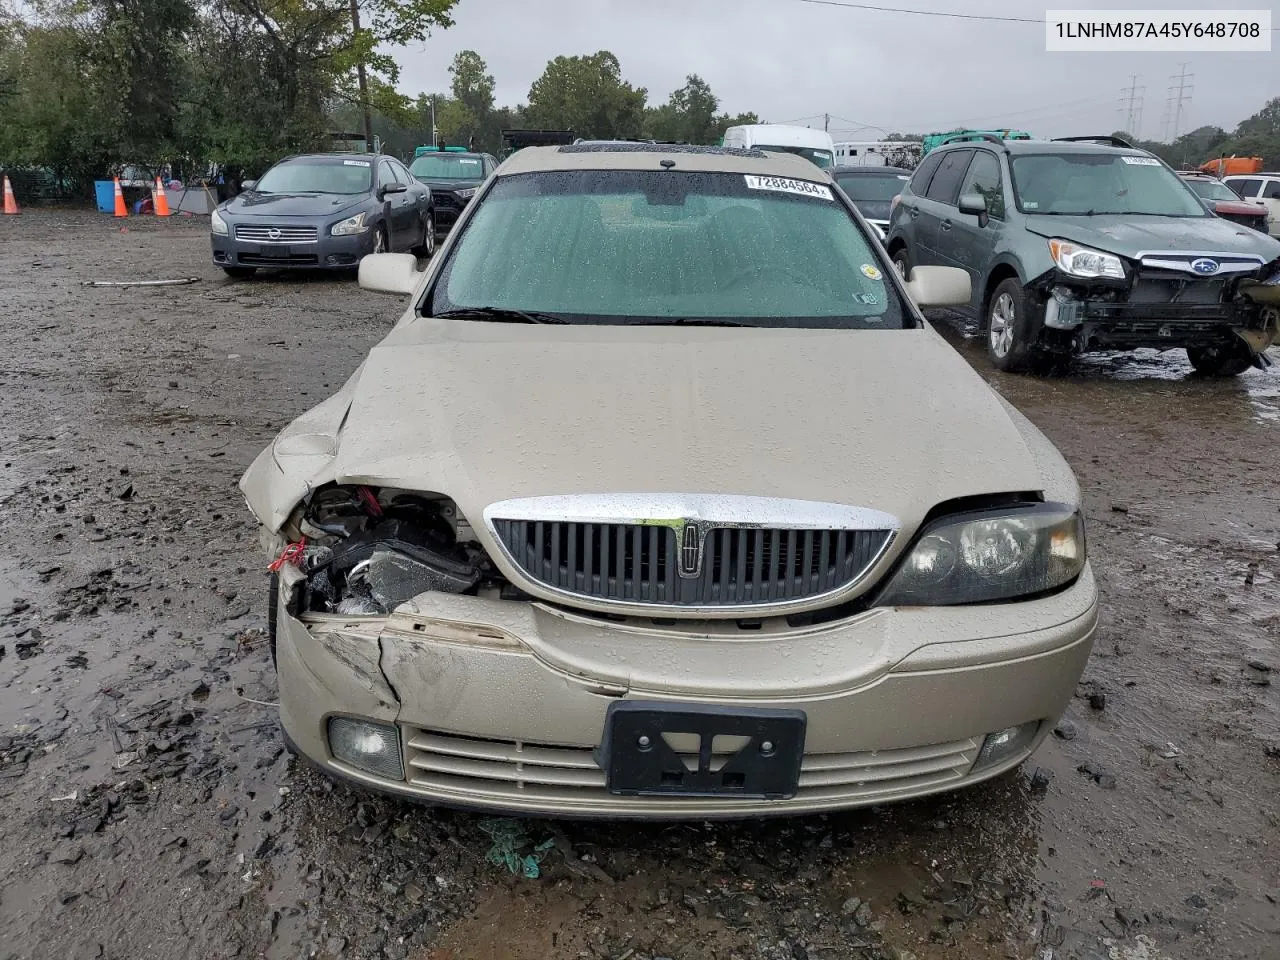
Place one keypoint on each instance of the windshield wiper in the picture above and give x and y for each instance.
(500, 315)
(689, 322)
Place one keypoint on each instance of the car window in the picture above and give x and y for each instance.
(873, 187)
(386, 176)
(631, 246)
(1074, 184)
(1245, 188)
(945, 185)
(445, 166)
(345, 175)
(924, 173)
(1272, 190)
(984, 178)
(821, 158)
(1211, 189)
(401, 171)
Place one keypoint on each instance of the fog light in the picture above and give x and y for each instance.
(1005, 743)
(368, 746)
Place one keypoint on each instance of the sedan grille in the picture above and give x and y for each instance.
(269, 234)
(723, 566)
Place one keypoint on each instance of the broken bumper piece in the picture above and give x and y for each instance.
(504, 706)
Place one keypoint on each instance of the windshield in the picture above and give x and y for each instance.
(875, 188)
(628, 246)
(822, 158)
(1213, 190)
(1101, 183)
(438, 166)
(326, 175)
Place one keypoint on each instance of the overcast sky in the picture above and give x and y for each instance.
(787, 59)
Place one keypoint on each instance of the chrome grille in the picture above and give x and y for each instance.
(274, 234)
(637, 563)
(512, 770)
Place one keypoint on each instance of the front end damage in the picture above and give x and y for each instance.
(409, 664)
(1162, 304)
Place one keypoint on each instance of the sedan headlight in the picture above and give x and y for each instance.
(1085, 262)
(350, 226)
(987, 556)
(468, 193)
(217, 225)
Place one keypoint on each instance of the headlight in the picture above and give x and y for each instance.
(1083, 262)
(987, 556)
(349, 226)
(468, 193)
(217, 225)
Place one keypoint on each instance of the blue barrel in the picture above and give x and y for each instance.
(105, 191)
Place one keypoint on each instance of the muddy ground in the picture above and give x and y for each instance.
(149, 810)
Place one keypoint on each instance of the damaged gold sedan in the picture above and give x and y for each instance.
(662, 500)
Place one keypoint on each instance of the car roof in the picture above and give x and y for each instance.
(338, 155)
(451, 153)
(1020, 147)
(868, 171)
(649, 156)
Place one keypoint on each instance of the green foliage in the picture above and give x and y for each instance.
(587, 94)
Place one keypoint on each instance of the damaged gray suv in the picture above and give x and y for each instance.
(641, 511)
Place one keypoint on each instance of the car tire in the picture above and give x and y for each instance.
(1228, 360)
(1012, 327)
(427, 248)
(240, 273)
(902, 263)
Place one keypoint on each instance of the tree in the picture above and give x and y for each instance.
(587, 95)
(1264, 123)
(689, 115)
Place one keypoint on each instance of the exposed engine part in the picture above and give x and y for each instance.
(371, 550)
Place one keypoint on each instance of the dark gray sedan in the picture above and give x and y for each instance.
(323, 212)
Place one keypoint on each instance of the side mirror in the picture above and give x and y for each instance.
(394, 273)
(248, 184)
(975, 205)
(927, 286)
(387, 188)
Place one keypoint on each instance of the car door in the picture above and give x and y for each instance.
(937, 206)
(1271, 200)
(419, 195)
(394, 206)
(969, 243)
(904, 217)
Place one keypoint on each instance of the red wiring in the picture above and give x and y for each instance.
(292, 553)
(370, 501)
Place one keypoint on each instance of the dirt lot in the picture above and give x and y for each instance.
(149, 810)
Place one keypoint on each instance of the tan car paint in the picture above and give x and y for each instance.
(892, 420)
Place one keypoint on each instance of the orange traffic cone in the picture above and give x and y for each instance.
(121, 209)
(10, 201)
(159, 202)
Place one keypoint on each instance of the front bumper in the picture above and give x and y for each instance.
(499, 706)
(325, 253)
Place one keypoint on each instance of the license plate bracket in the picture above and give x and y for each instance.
(275, 251)
(638, 760)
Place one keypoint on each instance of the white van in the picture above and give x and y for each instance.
(813, 145)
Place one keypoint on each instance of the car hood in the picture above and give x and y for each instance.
(252, 204)
(482, 412)
(1128, 236)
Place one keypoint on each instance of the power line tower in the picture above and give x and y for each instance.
(1131, 106)
(1180, 91)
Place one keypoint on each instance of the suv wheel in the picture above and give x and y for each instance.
(1227, 360)
(1011, 328)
